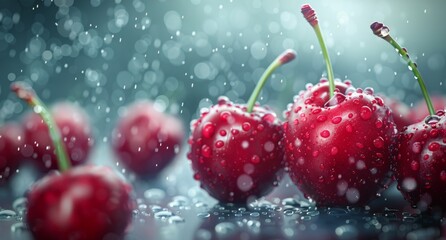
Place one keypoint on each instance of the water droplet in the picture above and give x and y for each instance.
(225, 229)
(434, 146)
(203, 215)
(164, 214)
(154, 194)
(246, 126)
(7, 214)
(223, 133)
(176, 219)
(378, 123)
(349, 128)
(359, 145)
(321, 118)
(255, 159)
(315, 153)
(366, 113)
(325, 134)
(415, 165)
(336, 120)
(269, 146)
(19, 205)
(19, 227)
(208, 130)
(378, 142)
(219, 144)
(206, 151)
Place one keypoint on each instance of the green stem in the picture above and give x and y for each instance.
(285, 57)
(330, 74)
(415, 72)
(26, 93)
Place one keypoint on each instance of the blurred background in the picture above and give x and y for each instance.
(184, 54)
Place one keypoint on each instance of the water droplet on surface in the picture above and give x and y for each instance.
(246, 126)
(219, 144)
(164, 214)
(19, 205)
(206, 151)
(378, 142)
(6, 214)
(176, 219)
(19, 227)
(154, 194)
(225, 229)
(208, 130)
(334, 151)
(203, 215)
(255, 159)
(336, 120)
(325, 134)
(366, 113)
(416, 147)
(434, 146)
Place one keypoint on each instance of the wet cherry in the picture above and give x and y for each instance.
(338, 140)
(84, 202)
(421, 161)
(74, 127)
(11, 144)
(236, 149)
(147, 140)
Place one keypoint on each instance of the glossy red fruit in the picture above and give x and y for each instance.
(339, 151)
(74, 127)
(11, 144)
(400, 112)
(235, 154)
(147, 140)
(421, 162)
(83, 203)
(419, 112)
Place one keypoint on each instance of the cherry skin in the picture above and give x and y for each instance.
(85, 202)
(147, 140)
(75, 129)
(339, 151)
(420, 111)
(11, 144)
(421, 162)
(235, 154)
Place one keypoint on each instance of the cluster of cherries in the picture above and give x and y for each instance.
(339, 144)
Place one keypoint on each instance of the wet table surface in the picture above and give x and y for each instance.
(173, 206)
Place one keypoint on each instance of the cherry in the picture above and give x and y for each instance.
(76, 135)
(82, 203)
(338, 139)
(236, 149)
(11, 144)
(421, 161)
(146, 140)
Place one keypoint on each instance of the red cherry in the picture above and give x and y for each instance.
(421, 162)
(11, 144)
(85, 202)
(236, 149)
(147, 140)
(236, 154)
(75, 130)
(339, 152)
(419, 112)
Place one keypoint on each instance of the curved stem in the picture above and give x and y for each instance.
(285, 57)
(416, 73)
(330, 74)
(26, 93)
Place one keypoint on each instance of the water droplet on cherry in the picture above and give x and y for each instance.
(366, 112)
(208, 130)
(336, 120)
(325, 134)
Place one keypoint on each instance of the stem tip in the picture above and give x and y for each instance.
(309, 14)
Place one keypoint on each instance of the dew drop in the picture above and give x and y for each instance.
(378, 123)
(255, 159)
(206, 151)
(7, 214)
(378, 142)
(246, 126)
(223, 133)
(336, 120)
(208, 130)
(219, 144)
(434, 146)
(325, 134)
(416, 147)
(321, 118)
(366, 113)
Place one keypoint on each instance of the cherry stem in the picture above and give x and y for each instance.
(286, 57)
(26, 93)
(383, 32)
(310, 16)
